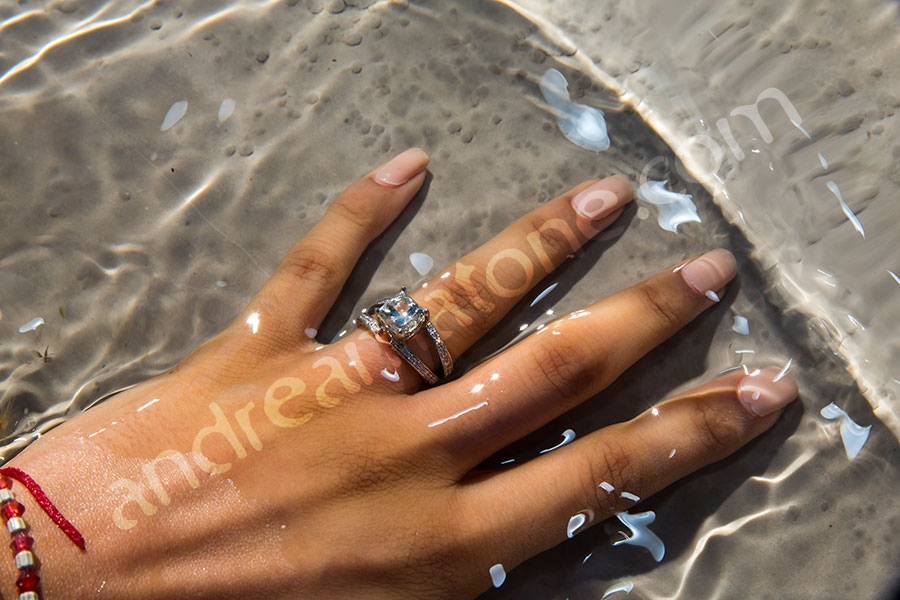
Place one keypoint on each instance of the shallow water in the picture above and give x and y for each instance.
(157, 159)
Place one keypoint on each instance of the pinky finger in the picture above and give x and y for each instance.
(609, 470)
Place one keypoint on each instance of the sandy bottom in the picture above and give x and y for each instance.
(136, 227)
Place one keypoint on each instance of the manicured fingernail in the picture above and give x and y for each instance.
(601, 199)
(764, 392)
(710, 272)
(402, 168)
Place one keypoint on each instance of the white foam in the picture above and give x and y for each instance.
(853, 436)
(176, 111)
(630, 496)
(390, 375)
(583, 125)
(607, 486)
(421, 262)
(31, 325)
(741, 325)
(674, 208)
(640, 534)
(225, 109)
(822, 161)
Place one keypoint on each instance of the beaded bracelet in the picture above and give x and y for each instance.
(29, 583)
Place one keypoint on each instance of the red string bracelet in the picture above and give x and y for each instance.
(28, 582)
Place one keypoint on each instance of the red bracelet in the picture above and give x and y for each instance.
(29, 583)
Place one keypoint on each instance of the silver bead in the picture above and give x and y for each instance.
(24, 559)
(29, 596)
(6, 495)
(16, 524)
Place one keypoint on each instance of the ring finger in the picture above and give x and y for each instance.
(474, 293)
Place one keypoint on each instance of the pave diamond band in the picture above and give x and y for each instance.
(399, 318)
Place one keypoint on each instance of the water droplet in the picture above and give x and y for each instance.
(624, 586)
(176, 111)
(575, 523)
(253, 322)
(568, 436)
(543, 294)
(498, 575)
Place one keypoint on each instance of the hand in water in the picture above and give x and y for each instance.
(266, 466)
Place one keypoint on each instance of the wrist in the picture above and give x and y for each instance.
(33, 568)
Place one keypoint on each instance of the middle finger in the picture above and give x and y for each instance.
(570, 360)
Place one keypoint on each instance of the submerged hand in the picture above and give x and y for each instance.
(267, 466)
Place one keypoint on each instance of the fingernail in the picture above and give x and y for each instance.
(762, 395)
(601, 199)
(710, 272)
(402, 168)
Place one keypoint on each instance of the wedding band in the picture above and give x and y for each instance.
(399, 318)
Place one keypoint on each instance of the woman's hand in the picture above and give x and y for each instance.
(267, 466)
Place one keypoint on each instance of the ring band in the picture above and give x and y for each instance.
(400, 318)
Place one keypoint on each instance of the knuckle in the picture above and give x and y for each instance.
(564, 363)
(661, 305)
(358, 214)
(716, 430)
(310, 262)
(471, 299)
(553, 241)
(612, 463)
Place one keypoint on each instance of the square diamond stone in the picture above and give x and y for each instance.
(402, 316)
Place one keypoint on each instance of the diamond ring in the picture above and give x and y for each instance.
(400, 318)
